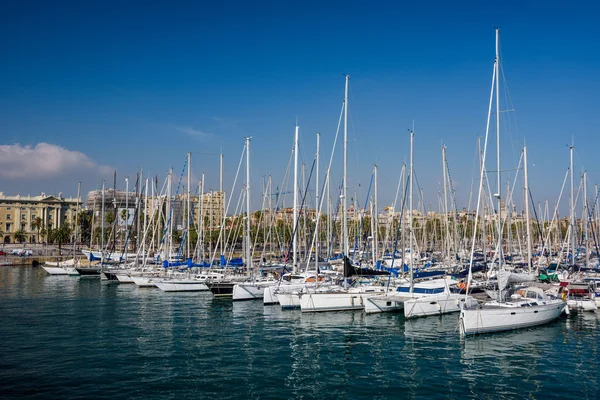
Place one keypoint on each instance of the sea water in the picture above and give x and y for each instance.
(76, 338)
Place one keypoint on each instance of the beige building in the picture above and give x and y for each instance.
(18, 212)
(213, 209)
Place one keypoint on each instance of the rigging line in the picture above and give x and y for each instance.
(555, 214)
(513, 138)
(475, 161)
(223, 222)
(536, 218)
(301, 208)
(399, 229)
(453, 197)
(590, 218)
(359, 232)
(168, 223)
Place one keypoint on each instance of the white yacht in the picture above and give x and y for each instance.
(528, 307)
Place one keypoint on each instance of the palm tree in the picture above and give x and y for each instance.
(84, 221)
(62, 235)
(44, 233)
(19, 236)
(37, 225)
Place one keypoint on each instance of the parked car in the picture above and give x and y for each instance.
(2, 253)
(22, 252)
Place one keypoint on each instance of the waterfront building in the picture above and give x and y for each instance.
(213, 209)
(18, 213)
(115, 202)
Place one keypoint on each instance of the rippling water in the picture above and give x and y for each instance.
(65, 337)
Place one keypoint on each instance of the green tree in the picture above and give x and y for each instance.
(124, 216)
(37, 225)
(110, 218)
(193, 236)
(62, 235)
(19, 236)
(84, 220)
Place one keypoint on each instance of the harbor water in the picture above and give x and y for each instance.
(75, 338)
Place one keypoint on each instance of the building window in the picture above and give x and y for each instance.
(23, 226)
(23, 208)
(7, 216)
(33, 216)
(23, 216)
(7, 208)
(8, 225)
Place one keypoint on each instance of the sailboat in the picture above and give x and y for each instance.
(341, 298)
(252, 290)
(526, 307)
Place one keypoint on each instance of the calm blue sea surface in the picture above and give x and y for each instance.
(65, 337)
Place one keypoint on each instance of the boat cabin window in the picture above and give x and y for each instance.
(531, 295)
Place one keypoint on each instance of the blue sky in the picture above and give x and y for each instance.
(124, 85)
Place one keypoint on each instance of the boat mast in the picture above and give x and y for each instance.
(222, 194)
(527, 224)
(248, 255)
(329, 221)
(126, 216)
(410, 212)
(145, 221)
(585, 220)
(295, 216)
(77, 217)
(102, 229)
(447, 222)
(345, 186)
(498, 195)
(201, 220)
(375, 219)
(189, 185)
(138, 193)
(317, 210)
(572, 211)
(168, 218)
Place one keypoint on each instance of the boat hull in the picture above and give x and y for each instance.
(582, 305)
(251, 291)
(143, 281)
(385, 303)
(497, 319)
(89, 272)
(344, 301)
(437, 305)
(181, 286)
(289, 300)
(270, 296)
(109, 276)
(222, 289)
(272, 293)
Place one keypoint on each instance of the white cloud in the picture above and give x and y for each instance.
(191, 131)
(43, 161)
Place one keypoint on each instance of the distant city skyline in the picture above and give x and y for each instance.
(89, 88)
